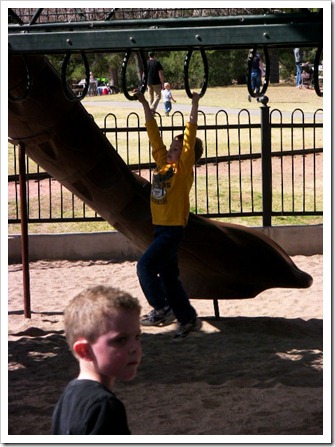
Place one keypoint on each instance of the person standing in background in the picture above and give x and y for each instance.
(93, 86)
(256, 73)
(155, 81)
(298, 61)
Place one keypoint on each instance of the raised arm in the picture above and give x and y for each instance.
(194, 109)
(147, 112)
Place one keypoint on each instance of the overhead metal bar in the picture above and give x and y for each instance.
(13, 16)
(36, 16)
(283, 30)
(289, 35)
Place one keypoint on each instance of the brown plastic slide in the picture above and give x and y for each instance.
(217, 260)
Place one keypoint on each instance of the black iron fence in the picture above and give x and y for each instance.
(268, 168)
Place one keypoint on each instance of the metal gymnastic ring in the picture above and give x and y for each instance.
(267, 73)
(316, 72)
(66, 89)
(186, 67)
(29, 84)
(124, 77)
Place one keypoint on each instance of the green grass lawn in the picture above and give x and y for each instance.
(281, 96)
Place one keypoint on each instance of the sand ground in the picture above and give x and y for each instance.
(256, 371)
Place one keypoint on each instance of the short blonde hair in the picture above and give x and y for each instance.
(87, 314)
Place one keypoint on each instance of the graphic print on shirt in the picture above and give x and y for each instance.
(160, 185)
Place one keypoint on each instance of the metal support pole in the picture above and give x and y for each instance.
(216, 309)
(24, 231)
(266, 166)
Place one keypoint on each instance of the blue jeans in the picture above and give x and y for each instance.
(158, 273)
(298, 75)
(256, 81)
(167, 106)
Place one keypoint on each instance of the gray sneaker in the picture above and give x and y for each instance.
(185, 329)
(162, 317)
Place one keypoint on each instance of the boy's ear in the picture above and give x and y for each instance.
(83, 349)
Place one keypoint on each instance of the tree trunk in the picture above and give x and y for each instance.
(274, 63)
(113, 75)
(139, 68)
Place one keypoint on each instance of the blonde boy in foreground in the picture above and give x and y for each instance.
(102, 329)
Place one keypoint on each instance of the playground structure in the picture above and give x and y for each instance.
(217, 261)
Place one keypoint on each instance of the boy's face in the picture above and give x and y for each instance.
(174, 152)
(117, 354)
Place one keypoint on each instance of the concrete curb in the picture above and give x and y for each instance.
(295, 240)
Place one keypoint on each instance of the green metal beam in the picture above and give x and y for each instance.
(180, 38)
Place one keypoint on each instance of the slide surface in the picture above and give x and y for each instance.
(217, 260)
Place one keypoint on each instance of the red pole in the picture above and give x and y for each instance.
(24, 231)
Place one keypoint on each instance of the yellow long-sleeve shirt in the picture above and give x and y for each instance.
(172, 182)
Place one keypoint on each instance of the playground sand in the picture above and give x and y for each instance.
(257, 371)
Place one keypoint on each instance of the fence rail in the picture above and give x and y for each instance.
(266, 169)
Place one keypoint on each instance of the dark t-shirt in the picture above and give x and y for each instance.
(255, 63)
(153, 67)
(88, 408)
(297, 55)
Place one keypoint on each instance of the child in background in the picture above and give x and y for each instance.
(167, 98)
(102, 329)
